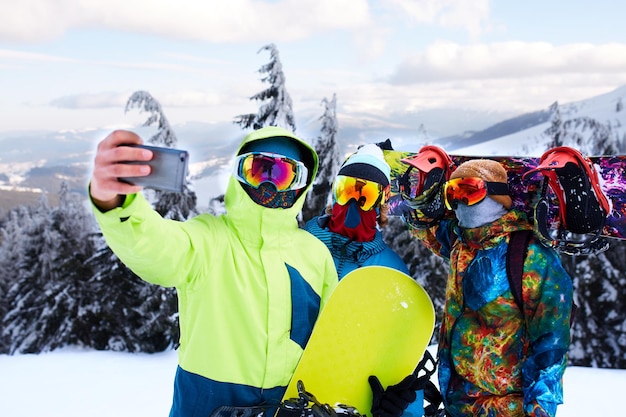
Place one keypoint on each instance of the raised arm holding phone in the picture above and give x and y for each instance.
(250, 283)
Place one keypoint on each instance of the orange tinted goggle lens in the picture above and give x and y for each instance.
(366, 193)
(468, 191)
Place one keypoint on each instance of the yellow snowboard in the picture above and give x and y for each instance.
(378, 321)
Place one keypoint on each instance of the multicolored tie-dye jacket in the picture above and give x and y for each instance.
(494, 361)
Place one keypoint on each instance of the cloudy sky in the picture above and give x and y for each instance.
(72, 64)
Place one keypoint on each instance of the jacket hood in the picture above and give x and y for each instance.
(239, 204)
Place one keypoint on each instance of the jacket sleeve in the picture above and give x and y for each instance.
(547, 296)
(160, 251)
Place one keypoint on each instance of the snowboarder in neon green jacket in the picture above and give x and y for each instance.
(250, 283)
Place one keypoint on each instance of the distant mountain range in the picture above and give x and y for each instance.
(37, 161)
(583, 124)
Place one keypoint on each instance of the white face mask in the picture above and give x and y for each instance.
(479, 214)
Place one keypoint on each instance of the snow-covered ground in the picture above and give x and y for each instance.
(85, 383)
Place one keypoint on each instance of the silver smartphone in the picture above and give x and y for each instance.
(169, 169)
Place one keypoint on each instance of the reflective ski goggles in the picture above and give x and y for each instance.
(366, 193)
(470, 191)
(255, 168)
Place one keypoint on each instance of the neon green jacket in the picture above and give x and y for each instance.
(250, 283)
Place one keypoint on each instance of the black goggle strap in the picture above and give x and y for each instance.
(428, 181)
(404, 182)
(497, 188)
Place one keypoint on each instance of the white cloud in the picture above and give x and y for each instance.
(91, 101)
(471, 16)
(447, 61)
(212, 21)
(190, 99)
(513, 96)
(175, 63)
(118, 100)
(13, 55)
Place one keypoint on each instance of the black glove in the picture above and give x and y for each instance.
(395, 399)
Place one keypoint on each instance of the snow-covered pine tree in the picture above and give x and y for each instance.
(159, 322)
(124, 318)
(47, 295)
(556, 126)
(599, 332)
(20, 326)
(327, 148)
(144, 101)
(175, 206)
(276, 106)
(11, 252)
(588, 135)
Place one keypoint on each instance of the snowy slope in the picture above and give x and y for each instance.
(85, 383)
(532, 141)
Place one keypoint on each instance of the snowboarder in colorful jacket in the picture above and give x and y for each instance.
(350, 230)
(495, 360)
(250, 283)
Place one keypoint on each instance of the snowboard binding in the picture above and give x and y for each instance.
(306, 405)
(572, 208)
(421, 186)
(233, 411)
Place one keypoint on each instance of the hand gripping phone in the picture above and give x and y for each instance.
(169, 169)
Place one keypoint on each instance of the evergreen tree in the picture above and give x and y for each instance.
(327, 148)
(48, 293)
(276, 107)
(130, 314)
(144, 101)
(422, 135)
(599, 332)
(555, 131)
(19, 327)
(176, 206)
(11, 252)
(588, 135)
(159, 319)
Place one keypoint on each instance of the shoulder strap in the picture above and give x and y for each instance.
(515, 256)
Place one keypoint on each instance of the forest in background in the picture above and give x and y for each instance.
(61, 285)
